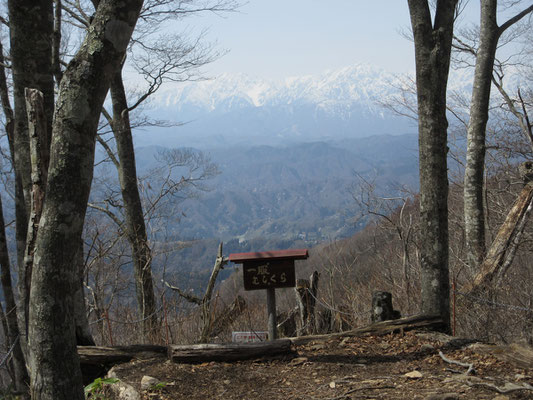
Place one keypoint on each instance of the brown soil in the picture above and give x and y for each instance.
(372, 367)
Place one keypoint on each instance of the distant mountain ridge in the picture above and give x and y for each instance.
(294, 191)
(360, 83)
(238, 109)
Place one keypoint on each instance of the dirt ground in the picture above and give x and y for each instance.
(399, 366)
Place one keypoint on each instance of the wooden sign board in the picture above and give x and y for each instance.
(265, 274)
(249, 337)
(269, 270)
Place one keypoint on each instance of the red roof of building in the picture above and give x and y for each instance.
(292, 254)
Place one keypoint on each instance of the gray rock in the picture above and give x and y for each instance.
(427, 348)
(148, 382)
(121, 390)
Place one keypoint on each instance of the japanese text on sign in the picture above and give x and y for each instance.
(264, 275)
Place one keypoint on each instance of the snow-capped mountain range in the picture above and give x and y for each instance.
(237, 108)
(359, 83)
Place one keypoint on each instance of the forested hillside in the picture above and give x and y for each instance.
(275, 197)
(300, 191)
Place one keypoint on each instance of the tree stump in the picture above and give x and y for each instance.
(306, 292)
(382, 309)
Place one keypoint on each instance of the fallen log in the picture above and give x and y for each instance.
(228, 351)
(97, 355)
(419, 322)
(427, 322)
(97, 360)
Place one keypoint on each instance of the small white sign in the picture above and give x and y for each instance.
(249, 337)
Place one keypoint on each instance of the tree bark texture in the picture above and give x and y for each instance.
(54, 363)
(31, 27)
(39, 156)
(134, 215)
(474, 214)
(432, 55)
(31, 24)
(39, 152)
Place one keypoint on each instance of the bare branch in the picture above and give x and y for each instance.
(187, 296)
(107, 212)
(515, 19)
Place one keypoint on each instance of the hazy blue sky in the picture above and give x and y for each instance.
(278, 38)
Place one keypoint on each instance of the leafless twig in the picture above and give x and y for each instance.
(471, 369)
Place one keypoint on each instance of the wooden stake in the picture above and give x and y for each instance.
(271, 310)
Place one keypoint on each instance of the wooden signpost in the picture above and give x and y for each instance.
(269, 270)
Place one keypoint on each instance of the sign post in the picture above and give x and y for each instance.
(271, 311)
(269, 270)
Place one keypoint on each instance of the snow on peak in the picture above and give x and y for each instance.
(331, 90)
(354, 83)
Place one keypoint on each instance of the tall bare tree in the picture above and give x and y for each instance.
(489, 36)
(53, 361)
(30, 29)
(13, 332)
(135, 227)
(171, 59)
(433, 42)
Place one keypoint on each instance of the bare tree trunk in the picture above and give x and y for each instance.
(39, 173)
(432, 55)
(475, 154)
(8, 363)
(134, 224)
(306, 292)
(21, 374)
(54, 364)
(83, 332)
(474, 213)
(207, 316)
(30, 27)
(12, 332)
